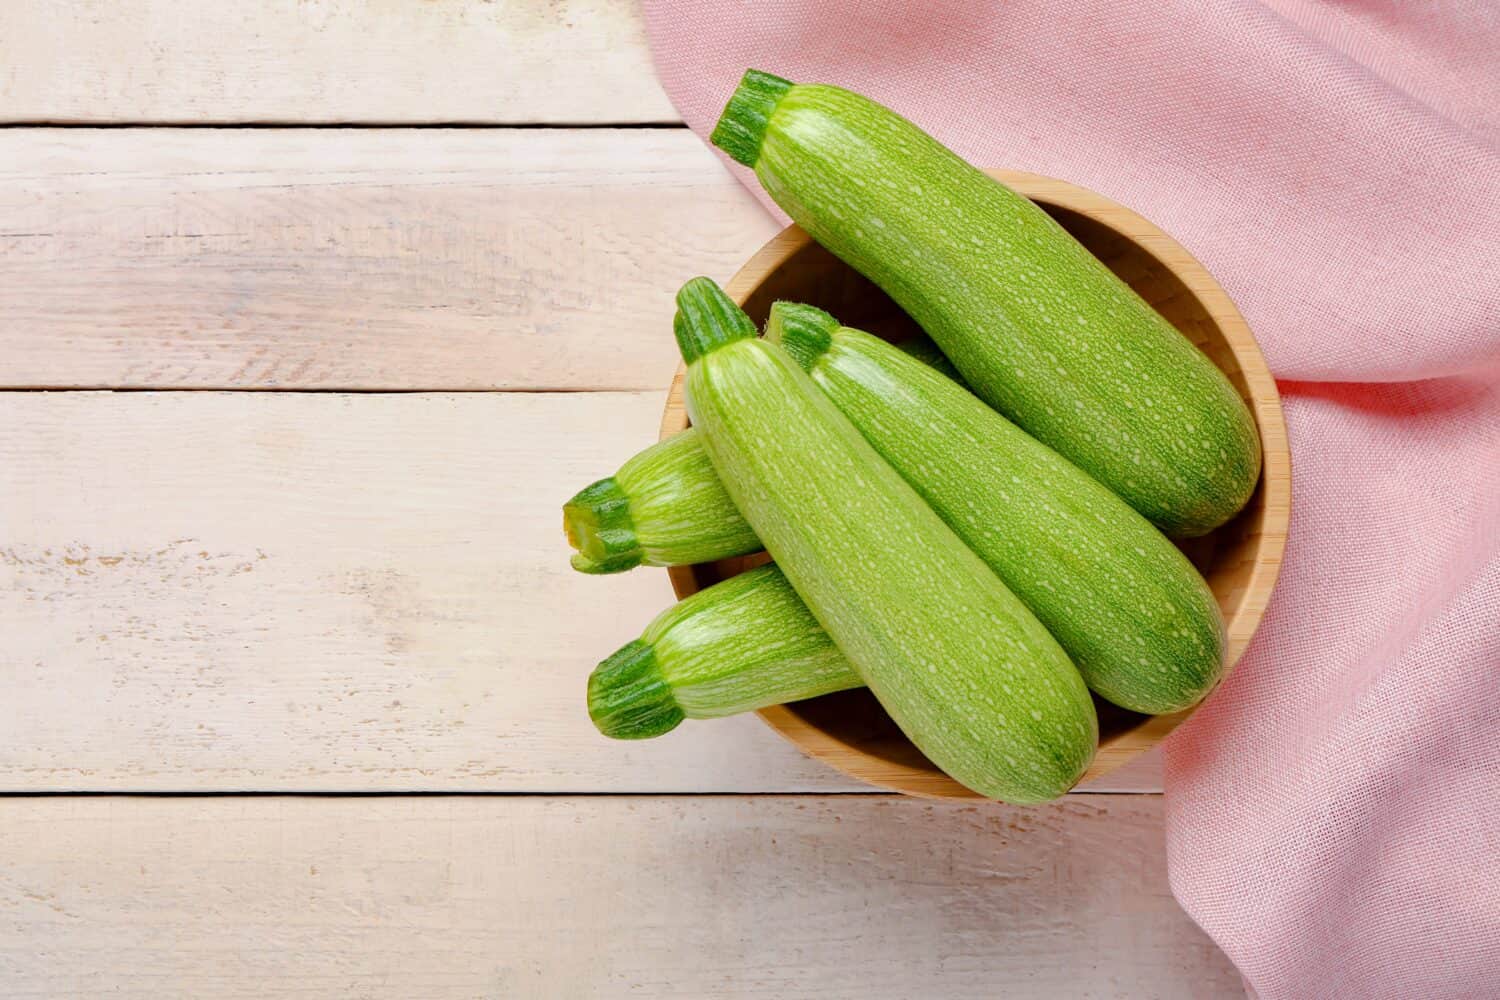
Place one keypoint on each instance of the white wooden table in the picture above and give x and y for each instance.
(288, 415)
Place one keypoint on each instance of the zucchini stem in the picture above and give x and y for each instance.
(804, 331)
(707, 319)
(598, 524)
(629, 699)
(742, 126)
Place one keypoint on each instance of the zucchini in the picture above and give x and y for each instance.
(739, 645)
(968, 673)
(666, 507)
(1042, 330)
(1130, 610)
(1134, 615)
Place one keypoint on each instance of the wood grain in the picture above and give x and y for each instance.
(806, 897)
(324, 592)
(273, 591)
(1239, 560)
(365, 259)
(295, 61)
(212, 592)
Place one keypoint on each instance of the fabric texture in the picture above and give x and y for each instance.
(1333, 812)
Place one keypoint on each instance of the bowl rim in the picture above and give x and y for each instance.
(1275, 482)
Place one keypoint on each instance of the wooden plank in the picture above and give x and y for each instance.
(340, 61)
(804, 897)
(317, 591)
(364, 259)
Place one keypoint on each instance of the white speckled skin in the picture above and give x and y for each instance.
(1138, 621)
(745, 643)
(675, 505)
(1039, 327)
(678, 512)
(967, 672)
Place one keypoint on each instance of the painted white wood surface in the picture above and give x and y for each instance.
(324, 591)
(290, 61)
(313, 592)
(700, 897)
(321, 591)
(367, 259)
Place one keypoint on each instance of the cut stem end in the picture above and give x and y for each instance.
(804, 331)
(742, 126)
(629, 699)
(707, 319)
(597, 522)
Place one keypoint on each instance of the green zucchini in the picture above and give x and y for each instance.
(1134, 615)
(1041, 330)
(739, 645)
(666, 507)
(1130, 610)
(967, 672)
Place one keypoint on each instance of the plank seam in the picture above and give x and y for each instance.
(337, 391)
(451, 794)
(454, 124)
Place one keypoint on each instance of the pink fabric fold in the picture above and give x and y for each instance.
(1333, 813)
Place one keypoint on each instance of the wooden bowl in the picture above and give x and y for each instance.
(1240, 560)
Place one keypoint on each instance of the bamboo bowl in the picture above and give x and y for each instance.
(1240, 560)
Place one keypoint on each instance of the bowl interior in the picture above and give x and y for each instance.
(849, 729)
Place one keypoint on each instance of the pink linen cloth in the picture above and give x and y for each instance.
(1333, 812)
